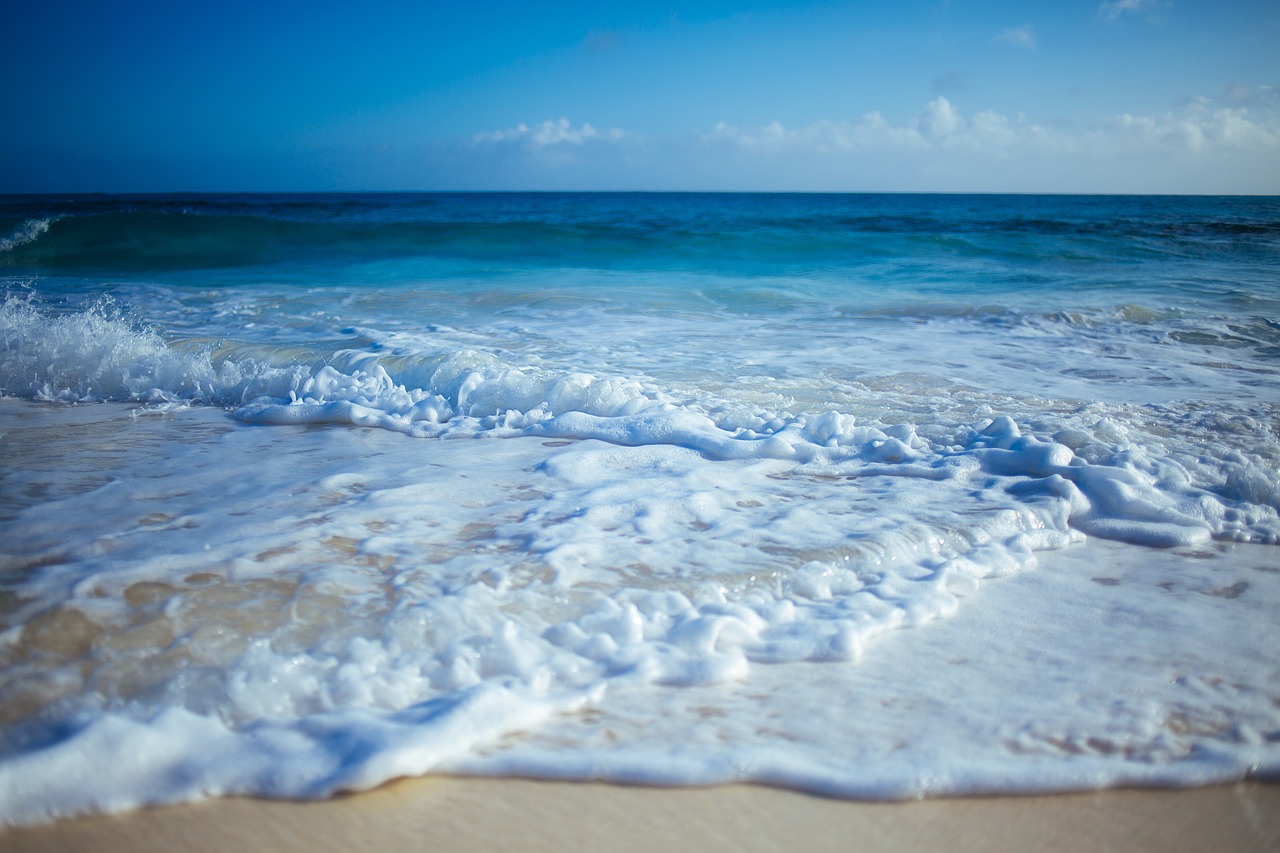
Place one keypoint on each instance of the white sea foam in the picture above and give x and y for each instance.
(442, 594)
(1129, 494)
(335, 607)
(28, 232)
(95, 355)
(1107, 485)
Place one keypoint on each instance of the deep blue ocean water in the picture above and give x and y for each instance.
(305, 492)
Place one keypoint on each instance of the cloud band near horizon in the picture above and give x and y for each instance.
(1244, 129)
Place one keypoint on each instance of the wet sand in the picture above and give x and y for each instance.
(448, 814)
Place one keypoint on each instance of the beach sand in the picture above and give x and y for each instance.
(446, 814)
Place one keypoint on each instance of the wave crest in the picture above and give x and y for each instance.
(28, 232)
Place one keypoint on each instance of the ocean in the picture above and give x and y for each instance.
(871, 496)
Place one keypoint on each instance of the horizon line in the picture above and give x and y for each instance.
(244, 192)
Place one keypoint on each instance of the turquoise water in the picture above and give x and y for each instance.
(302, 493)
(907, 243)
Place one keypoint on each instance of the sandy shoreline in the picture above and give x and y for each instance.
(445, 814)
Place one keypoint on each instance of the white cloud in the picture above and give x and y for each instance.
(1229, 123)
(1023, 36)
(1208, 145)
(939, 122)
(1112, 9)
(548, 134)
(941, 127)
(1199, 128)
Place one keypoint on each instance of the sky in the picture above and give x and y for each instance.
(1126, 96)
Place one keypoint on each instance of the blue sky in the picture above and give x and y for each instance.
(921, 95)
